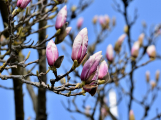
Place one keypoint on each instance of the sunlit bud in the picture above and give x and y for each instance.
(61, 18)
(87, 109)
(102, 21)
(157, 75)
(153, 84)
(62, 35)
(95, 18)
(79, 23)
(126, 29)
(51, 53)
(147, 75)
(105, 100)
(2, 38)
(73, 8)
(131, 115)
(91, 83)
(22, 3)
(90, 66)
(104, 112)
(151, 51)
(119, 42)
(113, 21)
(63, 81)
(103, 70)
(107, 20)
(80, 45)
(141, 38)
(135, 50)
(109, 53)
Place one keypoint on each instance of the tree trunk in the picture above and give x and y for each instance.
(41, 104)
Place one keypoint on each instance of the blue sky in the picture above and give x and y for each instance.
(148, 11)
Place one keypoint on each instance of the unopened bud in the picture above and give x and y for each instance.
(147, 74)
(63, 81)
(95, 19)
(73, 8)
(126, 29)
(131, 115)
(157, 74)
(153, 84)
(113, 21)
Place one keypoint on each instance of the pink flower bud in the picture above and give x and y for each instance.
(62, 35)
(121, 39)
(147, 75)
(101, 20)
(51, 53)
(131, 115)
(61, 18)
(22, 3)
(109, 53)
(151, 51)
(141, 38)
(91, 66)
(95, 19)
(153, 84)
(92, 83)
(135, 50)
(119, 43)
(79, 23)
(80, 45)
(103, 70)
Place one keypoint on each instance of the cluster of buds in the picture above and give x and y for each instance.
(151, 51)
(62, 25)
(119, 42)
(104, 21)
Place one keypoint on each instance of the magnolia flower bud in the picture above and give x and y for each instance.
(103, 70)
(131, 115)
(61, 18)
(90, 66)
(22, 3)
(151, 51)
(95, 19)
(153, 84)
(102, 21)
(79, 23)
(62, 35)
(107, 20)
(135, 50)
(92, 83)
(80, 45)
(87, 109)
(51, 53)
(141, 38)
(126, 29)
(157, 74)
(104, 112)
(109, 53)
(73, 8)
(90, 73)
(119, 42)
(147, 75)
